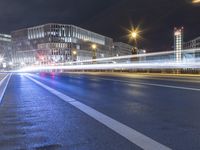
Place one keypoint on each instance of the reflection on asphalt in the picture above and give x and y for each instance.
(164, 114)
(32, 118)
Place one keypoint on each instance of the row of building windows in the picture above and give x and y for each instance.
(36, 32)
(192, 44)
(5, 38)
(53, 45)
(65, 31)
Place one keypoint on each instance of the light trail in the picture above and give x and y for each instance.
(161, 60)
(121, 66)
(134, 56)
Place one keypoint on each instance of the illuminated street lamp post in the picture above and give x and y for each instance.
(134, 36)
(74, 55)
(94, 51)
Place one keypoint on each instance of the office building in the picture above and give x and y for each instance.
(5, 48)
(193, 44)
(58, 43)
(121, 49)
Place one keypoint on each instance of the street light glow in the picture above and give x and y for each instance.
(94, 46)
(196, 1)
(134, 34)
(74, 52)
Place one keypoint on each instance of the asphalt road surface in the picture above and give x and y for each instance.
(100, 112)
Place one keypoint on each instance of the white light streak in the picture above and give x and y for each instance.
(135, 56)
(116, 63)
(164, 65)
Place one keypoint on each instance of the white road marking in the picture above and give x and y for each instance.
(4, 88)
(132, 135)
(151, 84)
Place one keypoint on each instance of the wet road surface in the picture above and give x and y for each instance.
(164, 110)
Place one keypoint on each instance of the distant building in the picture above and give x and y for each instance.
(178, 43)
(192, 44)
(141, 52)
(58, 43)
(5, 47)
(121, 49)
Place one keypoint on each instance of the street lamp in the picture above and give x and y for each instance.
(134, 34)
(74, 53)
(94, 46)
(94, 51)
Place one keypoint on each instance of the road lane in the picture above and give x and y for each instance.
(146, 76)
(132, 135)
(188, 82)
(170, 116)
(33, 118)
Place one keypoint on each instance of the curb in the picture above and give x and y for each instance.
(3, 86)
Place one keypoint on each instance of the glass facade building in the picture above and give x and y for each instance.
(5, 47)
(195, 43)
(122, 49)
(58, 43)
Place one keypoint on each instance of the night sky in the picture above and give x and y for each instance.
(156, 18)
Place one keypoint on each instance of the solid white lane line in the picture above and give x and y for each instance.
(132, 135)
(151, 84)
(4, 88)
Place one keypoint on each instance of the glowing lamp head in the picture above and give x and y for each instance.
(94, 46)
(134, 34)
(74, 53)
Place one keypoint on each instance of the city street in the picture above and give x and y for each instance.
(100, 75)
(100, 112)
